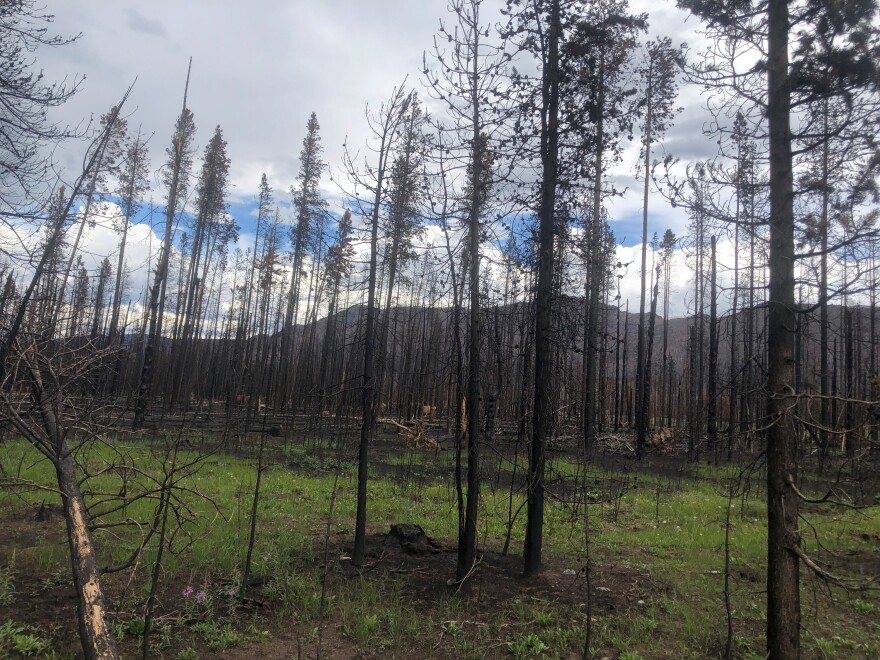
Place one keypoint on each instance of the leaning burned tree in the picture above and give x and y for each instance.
(36, 397)
(56, 225)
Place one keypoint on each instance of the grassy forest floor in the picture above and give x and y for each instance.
(657, 531)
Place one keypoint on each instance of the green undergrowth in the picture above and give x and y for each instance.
(657, 548)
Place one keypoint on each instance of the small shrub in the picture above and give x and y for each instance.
(135, 627)
(521, 610)
(60, 578)
(197, 605)
(21, 640)
(218, 637)
(453, 629)
(226, 639)
(527, 646)
(30, 645)
(257, 635)
(7, 630)
(630, 655)
(559, 637)
(544, 618)
(166, 637)
(826, 647)
(366, 629)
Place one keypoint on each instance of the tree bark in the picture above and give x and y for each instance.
(642, 386)
(544, 298)
(712, 412)
(157, 291)
(597, 270)
(95, 636)
(467, 546)
(783, 565)
(390, 119)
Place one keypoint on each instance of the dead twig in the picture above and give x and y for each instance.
(850, 584)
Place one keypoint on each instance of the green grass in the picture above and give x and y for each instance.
(671, 547)
(7, 582)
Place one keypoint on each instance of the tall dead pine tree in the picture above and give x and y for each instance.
(176, 176)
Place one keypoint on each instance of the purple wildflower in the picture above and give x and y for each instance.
(201, 596)
(188, 591)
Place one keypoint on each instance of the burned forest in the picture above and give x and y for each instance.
(534, 329)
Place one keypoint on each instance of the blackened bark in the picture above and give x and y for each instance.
(712, 412)
(544, 297)
(783, 565)
(467, 542)
(734, 369)
(390, 119)
(642, 385)
(368, 408)
(824, 374)
(597, 271)
(649, 349)
(157, 291)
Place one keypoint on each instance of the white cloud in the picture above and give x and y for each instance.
(260, 69)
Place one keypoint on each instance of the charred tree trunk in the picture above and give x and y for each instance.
(783, 536)
(157, 291)
(642, 386)
(712, 412)
(467, 545)
(390, 117)
(733, 392)
(649, 348)
(597, 271)
(542, 413)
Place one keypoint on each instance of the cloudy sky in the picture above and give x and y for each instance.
(260, 68)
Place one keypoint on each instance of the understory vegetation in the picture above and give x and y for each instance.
(657, 559)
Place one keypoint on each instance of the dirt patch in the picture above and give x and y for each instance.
(44, 600)
(496, 579)
(855, 564)
(26, 527)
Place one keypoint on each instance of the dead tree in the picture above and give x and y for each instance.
(385, 126)
(47, 418)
